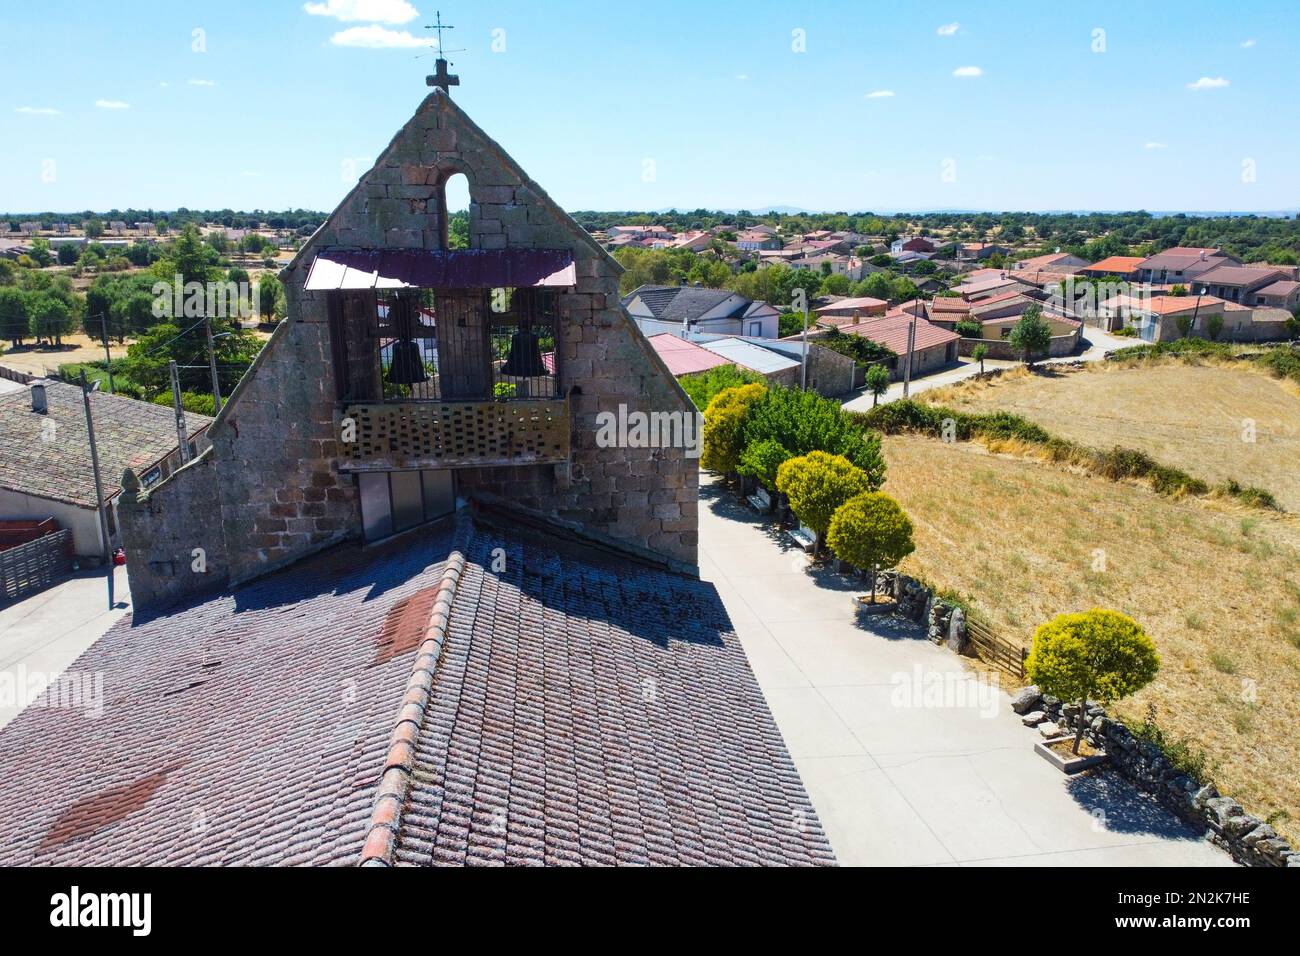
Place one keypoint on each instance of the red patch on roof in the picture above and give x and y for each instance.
(99, 810)
(404, 626)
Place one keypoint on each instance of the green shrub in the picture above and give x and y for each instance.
(817, 484)
(1181, 755)
(724, 421)
(196, 402)
(761, 459)
(1097, 655)
(969, 329)
(702, 387)
(871, 531)
(803, 422)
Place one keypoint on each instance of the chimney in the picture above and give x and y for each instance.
(1202, 255)
(40, 404)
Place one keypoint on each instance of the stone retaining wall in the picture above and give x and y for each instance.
(1248, 839)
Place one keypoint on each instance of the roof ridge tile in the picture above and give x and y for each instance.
(395, 782)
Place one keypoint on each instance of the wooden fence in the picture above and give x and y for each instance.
(995, 650)
(34, 566)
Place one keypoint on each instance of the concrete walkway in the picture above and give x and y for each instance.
(42, 635)
(910, 757)
(1098, 345)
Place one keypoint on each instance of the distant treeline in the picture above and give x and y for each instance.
(1093, 235)
(302, 220)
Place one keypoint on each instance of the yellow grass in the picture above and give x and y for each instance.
(1193, 417)
(1216, 585)
(77, 347)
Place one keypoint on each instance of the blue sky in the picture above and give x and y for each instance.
(109, 104)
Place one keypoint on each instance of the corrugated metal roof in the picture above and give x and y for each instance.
(351, 269)
(761, 360)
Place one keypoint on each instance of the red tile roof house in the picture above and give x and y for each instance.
(1181, 264)
(933, 347)
(530, 678)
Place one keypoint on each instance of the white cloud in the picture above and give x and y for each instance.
(38, 111)
(880, 94)
(164, 84)
(965, 71)
(742, 76)
(1155, 146)
(373, 37)
(112, 105)
(1208, 83)
(375, 11)
(1247, 44)
(948, 29)
(201, 83)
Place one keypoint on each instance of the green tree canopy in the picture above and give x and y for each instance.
(871, 531)
(1031, 335)
(817, 484)
(877, 382)
(1097, 655)
(724, 421)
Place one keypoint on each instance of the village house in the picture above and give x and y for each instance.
(1058, 261)
(1120, 267)
(848, 311)
(755, 240)
(46, 470)
(1181, 264)
(674, 308)
(1236, 283)
(912, 244)
(420, 603)
(1157, 318)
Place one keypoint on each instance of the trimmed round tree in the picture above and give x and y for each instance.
(817, 484)
(724, 422)
(871, 531)
(1100, 655)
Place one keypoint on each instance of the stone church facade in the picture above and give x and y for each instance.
(409, 379)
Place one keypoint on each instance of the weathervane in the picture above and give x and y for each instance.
(440, 77)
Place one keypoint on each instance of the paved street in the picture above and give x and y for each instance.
(1098, 345)
(910, 758)
(43, 634)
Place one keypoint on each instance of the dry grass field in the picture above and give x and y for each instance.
(77, 347)
(1215, 584)
(1192, 417)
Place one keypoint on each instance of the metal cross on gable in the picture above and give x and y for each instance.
(440, 77)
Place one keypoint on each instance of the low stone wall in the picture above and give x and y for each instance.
(1248, 839)
(1003, 349)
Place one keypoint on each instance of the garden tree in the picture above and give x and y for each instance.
(1099, 655)
(1178, 290)
(802, 422)
(1184, 323)
(838, 284)
(761, 460)
(871, 531)
(458, 230)
(146, 362)
(50, 317)
(1031, 335)
(94, 228)
(41, 251)
(141, 253)
(188, 257)
(270, 296)
(14, 321)
(817, 484)
(702, 386)
(877, 382)
(969, 328)
(130, 316)
(67, 254)
(1214, 326)
(724, 421)
(979, 354)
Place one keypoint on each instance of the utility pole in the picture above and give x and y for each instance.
(212, 364)
(182, 433)
(108, 357)
(803, 367)
(911, 343)
(99, 488)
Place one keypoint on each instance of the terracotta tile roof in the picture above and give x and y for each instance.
(891, 332)
(1283, 287)
(56, 465)
(950, 304)
(573, 708)
(1239, 275)
(861, 303)
(683, 357)
(1117, 265)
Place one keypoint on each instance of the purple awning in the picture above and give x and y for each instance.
(431, 269)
